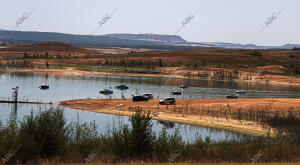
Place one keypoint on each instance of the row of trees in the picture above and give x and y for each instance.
(4, 44)
(37, 56)
(46, 56)
(131, 63)
(296, 49)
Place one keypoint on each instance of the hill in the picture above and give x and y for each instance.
(45, 46)
(150, 37)
(148, 41)
(20, 37)
(53, 48)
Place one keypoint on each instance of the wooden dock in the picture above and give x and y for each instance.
(22, 102)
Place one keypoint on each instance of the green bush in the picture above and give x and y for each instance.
(45, 134)
(142, 137)
(83, 138)
(166, 145)
(255, 53)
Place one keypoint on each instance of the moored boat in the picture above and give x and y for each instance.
(106, 92)
(44, 86)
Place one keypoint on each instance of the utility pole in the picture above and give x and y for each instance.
(15, 94)
(15, 106)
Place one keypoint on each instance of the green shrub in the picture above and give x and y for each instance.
(255, 53)
(142, 137)
(45, 134)
(83, 138)
(166, 145)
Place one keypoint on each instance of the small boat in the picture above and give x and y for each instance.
(231, 97)
(240, 92)
(44, 86)
(106, 92)
(176, 93)
(183, 86)
(122, 87)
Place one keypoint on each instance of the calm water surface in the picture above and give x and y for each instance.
(66, 87)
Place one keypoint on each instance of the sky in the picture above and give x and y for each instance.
(234, 21)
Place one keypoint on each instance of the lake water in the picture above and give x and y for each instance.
(66, 87)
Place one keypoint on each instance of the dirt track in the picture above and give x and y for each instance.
(185, 110)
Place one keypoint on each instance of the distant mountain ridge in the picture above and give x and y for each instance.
(149, 37)
(246, 46)
(179, 41)
(29, 37)
(150, 41)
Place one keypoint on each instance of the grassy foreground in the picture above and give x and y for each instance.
(47, 136)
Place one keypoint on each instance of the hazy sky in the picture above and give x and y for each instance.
(236, 21)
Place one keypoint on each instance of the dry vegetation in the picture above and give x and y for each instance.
(218, 64)
(241, 115)
(220, 58)
(53, 48)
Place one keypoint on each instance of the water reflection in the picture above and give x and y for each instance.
(65, 87)
(157, 81)
(166, 124)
